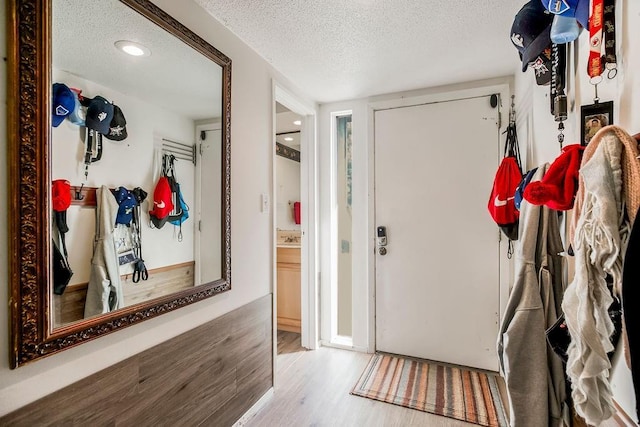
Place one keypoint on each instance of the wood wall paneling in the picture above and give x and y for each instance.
(210, 375)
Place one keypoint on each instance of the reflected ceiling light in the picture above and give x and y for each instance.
(288, 138)
(297, 122)
(132, 48)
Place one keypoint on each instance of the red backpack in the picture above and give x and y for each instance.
(501, 204)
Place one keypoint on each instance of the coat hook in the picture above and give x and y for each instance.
(79, 195)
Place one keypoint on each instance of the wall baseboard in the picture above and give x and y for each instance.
(344, 347)
(261, 403)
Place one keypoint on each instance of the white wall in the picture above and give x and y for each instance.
(251, 235)
(538, 130)
(287, 192)
(127, 163)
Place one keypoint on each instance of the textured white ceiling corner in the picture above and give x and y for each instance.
(336, 50)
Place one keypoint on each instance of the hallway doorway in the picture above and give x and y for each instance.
(294, 189)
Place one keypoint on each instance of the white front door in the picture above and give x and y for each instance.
(437, 287)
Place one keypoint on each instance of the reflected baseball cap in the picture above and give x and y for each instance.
(99, 115)
(63, 103)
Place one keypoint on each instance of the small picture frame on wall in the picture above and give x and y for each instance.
(593, 118)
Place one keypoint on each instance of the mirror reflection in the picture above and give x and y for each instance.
(136, 161)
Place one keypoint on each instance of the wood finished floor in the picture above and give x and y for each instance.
(312, 389)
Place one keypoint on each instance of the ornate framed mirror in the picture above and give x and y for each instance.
(176, 98)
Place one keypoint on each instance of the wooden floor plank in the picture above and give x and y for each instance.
(312, 389)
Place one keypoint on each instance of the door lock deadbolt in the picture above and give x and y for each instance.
(382, 235)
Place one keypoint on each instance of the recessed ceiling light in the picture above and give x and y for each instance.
(297, 122)
(288, 138)
(132, 48)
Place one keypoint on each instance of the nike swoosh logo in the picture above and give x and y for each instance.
(161, 205)
(497, 202)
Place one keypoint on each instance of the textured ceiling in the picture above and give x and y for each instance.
(84, 33)
(336, 50)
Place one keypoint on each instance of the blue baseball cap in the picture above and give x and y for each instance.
(63, 103)
(578, 9)
(518, 196)
(77, 115)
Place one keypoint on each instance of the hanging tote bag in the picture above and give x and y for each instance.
(501, 204)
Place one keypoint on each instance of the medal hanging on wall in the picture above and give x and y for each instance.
(558, 82)
(601, 26)
(93, 149)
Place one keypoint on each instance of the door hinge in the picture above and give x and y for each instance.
(499, 236)
(199, 225)
(499, 119)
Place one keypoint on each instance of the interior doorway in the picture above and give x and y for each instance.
(288, 219)
(208, 209)
(294, 218)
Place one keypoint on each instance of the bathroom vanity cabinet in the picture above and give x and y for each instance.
(288, 266)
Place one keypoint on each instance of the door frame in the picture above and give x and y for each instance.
(309, 206)
(505, 268)
(198, 185)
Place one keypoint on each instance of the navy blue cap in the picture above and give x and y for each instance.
(531, 31)
(518, 196)
(99, 115)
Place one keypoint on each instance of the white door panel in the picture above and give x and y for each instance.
(210, 239)
(437, 288)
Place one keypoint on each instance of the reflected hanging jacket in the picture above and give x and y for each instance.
(104, 292)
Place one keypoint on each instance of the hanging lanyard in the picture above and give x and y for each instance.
(596, 22)
(610, 38)
(602, 24)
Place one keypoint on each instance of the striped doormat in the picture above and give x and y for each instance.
(449, 391)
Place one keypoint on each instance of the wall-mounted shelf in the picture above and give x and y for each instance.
(87, 195)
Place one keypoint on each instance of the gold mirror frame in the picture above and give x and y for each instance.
(29, 158)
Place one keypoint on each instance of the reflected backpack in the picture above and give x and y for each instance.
(180, 211)
(501, 204)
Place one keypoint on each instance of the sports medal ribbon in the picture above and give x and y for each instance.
(596, 22)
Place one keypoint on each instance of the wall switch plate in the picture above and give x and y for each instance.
(264, 203)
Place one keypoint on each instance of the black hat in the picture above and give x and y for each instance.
(542, 67)
(531, 32)
(118, 126)
(99, 115)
